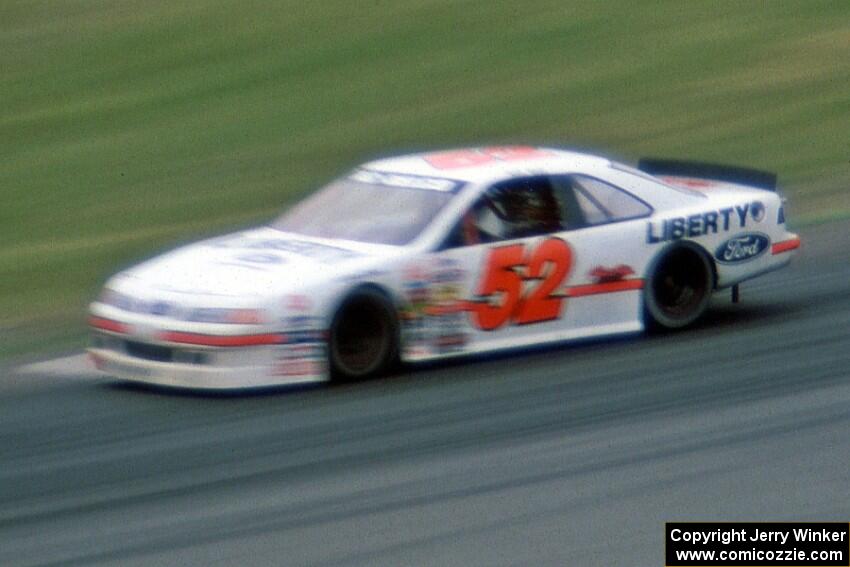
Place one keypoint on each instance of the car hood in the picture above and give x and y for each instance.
(258, 262)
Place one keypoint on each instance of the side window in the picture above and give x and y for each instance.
(601, 202)
(521, 208)
(592, 212)
(518, 208)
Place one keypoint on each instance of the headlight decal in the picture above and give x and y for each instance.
(218, 315)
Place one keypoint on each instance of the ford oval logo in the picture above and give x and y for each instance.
(160, 308)
(742, 248)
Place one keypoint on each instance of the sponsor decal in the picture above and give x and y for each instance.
(303, 353)
(690, 182)
(476, 157)
(701, 224)
(757, 211)
(405, 180)
(449, 272)
(433, 317)
(260, 258)
(297, 302)
(302, 322)
(161, 308)
(244, 316)
(601, 274)
(694, 225)
(154, 307)
(321, 252)
(364, 275)
(206, 315)
(305, 336)
(742, 248)
(224, 315)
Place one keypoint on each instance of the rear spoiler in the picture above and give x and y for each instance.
(727, 173)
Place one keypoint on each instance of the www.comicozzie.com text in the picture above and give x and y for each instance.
(726, 536)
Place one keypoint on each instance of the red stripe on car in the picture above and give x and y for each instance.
(221, 340)
(785, 245)
(607, 287)
(108, 325)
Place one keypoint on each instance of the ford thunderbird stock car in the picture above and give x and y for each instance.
(438, 255)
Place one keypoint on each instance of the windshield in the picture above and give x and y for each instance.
(370, 206)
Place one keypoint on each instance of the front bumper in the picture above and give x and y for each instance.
(193, 376)
(204, 361)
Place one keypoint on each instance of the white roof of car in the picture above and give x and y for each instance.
(489, 163)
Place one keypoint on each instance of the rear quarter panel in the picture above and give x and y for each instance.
(737, 226)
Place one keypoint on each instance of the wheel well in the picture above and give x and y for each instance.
(688, 245)
(386, 295)
(368, 287)
(678, 286)
(711, 264)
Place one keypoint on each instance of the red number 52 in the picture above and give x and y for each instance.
(506, 271)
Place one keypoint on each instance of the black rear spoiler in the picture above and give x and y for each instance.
(728, 173)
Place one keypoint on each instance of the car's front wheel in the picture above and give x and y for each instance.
(678, 289)
(363, 337)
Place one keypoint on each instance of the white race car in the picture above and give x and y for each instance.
(437, 255)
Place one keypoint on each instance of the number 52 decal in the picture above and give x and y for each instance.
(506, 270)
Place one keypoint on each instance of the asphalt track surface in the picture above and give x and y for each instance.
(568, 456)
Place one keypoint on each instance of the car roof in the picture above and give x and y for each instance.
(487, 164)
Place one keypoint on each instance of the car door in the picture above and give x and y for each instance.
(604, 287)
(529, 262)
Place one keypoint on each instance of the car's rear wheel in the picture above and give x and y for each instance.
(678, 289)
(363, 338)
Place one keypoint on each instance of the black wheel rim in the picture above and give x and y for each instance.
(360, 338)
(680, 285)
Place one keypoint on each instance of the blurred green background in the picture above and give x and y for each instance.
(129, 126)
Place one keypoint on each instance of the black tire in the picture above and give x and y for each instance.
(678, 289)
(363, 339)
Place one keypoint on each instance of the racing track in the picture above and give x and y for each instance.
(572, 456)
